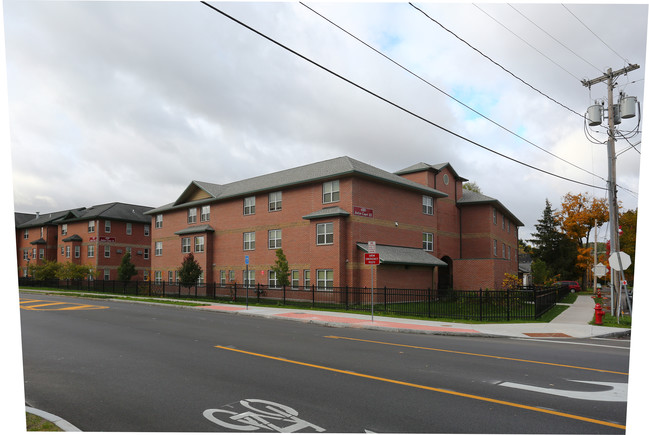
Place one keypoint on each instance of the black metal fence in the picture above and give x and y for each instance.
(525, 303)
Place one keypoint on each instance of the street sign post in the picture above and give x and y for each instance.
(372, 258)
(619, 260)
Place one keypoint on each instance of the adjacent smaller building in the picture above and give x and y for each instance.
(97, 236)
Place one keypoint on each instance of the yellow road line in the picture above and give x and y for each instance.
(438, 390)
(477, 354)
(40, 307)
(47, 305)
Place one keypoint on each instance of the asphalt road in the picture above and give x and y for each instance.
(119, 366)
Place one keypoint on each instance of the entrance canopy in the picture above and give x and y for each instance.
(404, 255)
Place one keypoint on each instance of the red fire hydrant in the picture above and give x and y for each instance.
(599, 314)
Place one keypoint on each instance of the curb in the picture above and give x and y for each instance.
(62, 424)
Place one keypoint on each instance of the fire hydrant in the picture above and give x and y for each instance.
(599, 293)
(599, 314)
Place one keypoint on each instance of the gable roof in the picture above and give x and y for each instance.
(112, 211)
(21, 218)
(201, 192)
(421, 166)
(470, 197)
(46, 219)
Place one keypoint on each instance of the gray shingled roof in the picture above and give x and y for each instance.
(195, 229)
(46, 219)
(328, 169)
(326, 212)
(21, 218)
(404, 255)
(113, 211)
(421, 166)
(469, 197)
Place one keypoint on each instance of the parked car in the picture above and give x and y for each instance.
(570, 285)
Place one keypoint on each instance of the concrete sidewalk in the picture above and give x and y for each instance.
(572, 323)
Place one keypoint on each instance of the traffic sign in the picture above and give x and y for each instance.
(247, 259)
(624, 258)
(372, 258)
(600, 270)
(371, 247)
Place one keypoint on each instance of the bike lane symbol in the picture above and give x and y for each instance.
(256, 414)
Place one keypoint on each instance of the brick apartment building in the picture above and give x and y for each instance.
(97, 236)
(429, 231)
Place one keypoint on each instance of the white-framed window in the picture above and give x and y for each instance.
(106, 275)
(495, 248)
(427, 204)
(191, 215)
(91, 251)
(146, 253)
(158, 276)
(26, 234)
(428, 241)
(249, 241)
(201, 278)
(91, 226)
(249, 205)
(41, 253)
(249, 278)
(205, 213)
(25, 254)
(330, 191)
(41, 231)
(325, 279)
(199, 244)
(107, 226)
(158, 221)
(62, 250)
(67, 252)
(222, 277)
(307, 279)
(232, 275)
(325, 233)
(158, 249)
(129, 228)
(34, 252)
(106, 251)
(170, 277)
(295, 278)
(77, 252)
(147, 230)
(275, 201)
(274, 239)
(495, 216)
(272, 279)
(64, 229)
(186, 245)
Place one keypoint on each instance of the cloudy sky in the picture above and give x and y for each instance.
(130, 102)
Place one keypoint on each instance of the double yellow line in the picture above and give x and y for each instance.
(26, 304)
(437, 390)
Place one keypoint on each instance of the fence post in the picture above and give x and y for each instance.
(480, 299)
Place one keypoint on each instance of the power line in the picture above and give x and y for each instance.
(279, 44)
(526, 42)
(595, 34)
(445, 93)
(559, 42)
(496, 63)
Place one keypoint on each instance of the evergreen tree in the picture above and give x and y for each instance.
(126, 269)
(281, 268)
(189, 271)
(546, 239)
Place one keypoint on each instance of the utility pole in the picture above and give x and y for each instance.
(610, 77)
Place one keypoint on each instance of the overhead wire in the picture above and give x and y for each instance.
(526, 42)
(555, 39)
(446, 93)
(596, 35)
(496, 63)
(385, 100)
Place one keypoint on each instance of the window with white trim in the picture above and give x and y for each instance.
(170, 277)
(107, 251)
(428, 241)
(106, 274)
(495, 212)
(91, 226)
(275, 201)
(307, 278)
(199, 244)
(185, 245)
(146, 253)
(158, 249)
(249, 241)
(67, 252)
(249, 278)
(325, 233)
(222, 277)
(147, 230)
(295, 279)
(77, 252)
(191, 215)
(158, 221)
(325, 279)
(272, 279)
(91, 251)
(274, 239)
(129, 228)
(427, 204)
(107, 226)
(26, 234)
(330, 191)
(249, 205)
(64, 229)
(41, 253)
(158, 277)
(205, 213)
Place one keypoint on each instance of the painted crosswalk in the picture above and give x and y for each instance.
(45, 305)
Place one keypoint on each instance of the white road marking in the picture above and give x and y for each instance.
(616, 393)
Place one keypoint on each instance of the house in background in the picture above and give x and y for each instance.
(96, 236)
(429, 231)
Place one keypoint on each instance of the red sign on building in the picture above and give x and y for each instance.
(372, 259)
(364, 212)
